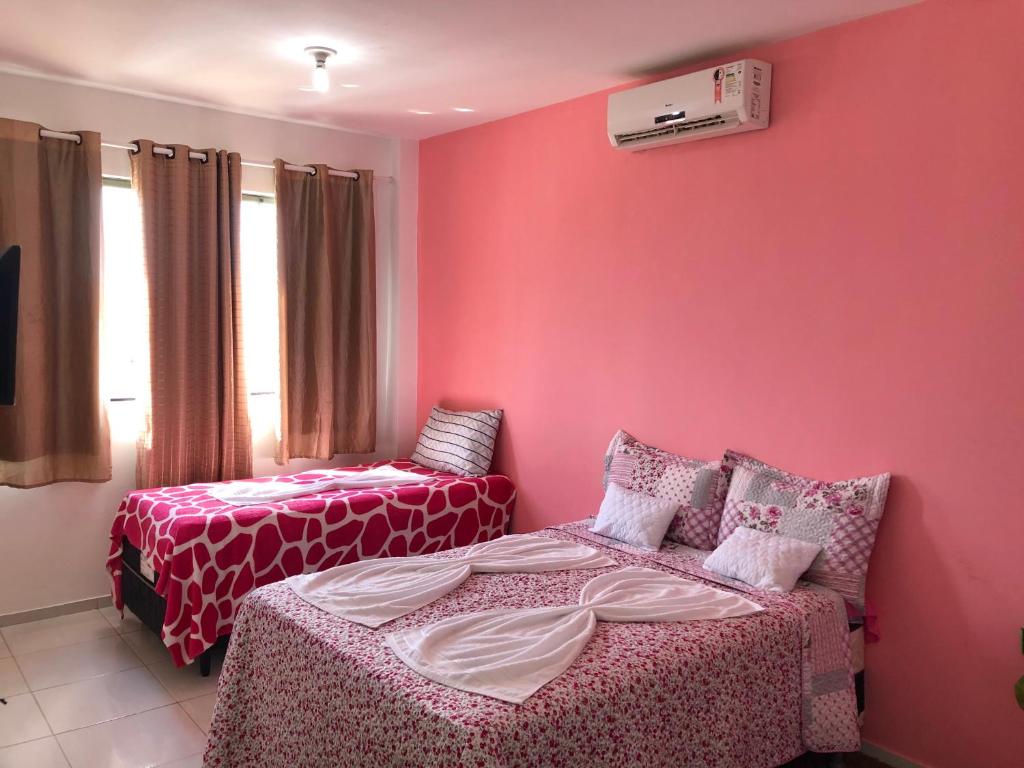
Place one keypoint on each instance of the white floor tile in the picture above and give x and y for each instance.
(71, 663)
(21, 720)
(152, 738)
(192, 761)
(129, 623)
(186, 682)
(147, 645)
(11, 681)
(98, 699)
(4, 652)
(58, 631)
(43, 753)
(201, 710)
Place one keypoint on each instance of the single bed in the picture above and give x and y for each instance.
(302, 687)
(183, 561)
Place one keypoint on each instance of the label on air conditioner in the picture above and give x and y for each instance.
(733, 85)
(755, 92)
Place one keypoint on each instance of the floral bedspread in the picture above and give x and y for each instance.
(209, 555)
(301, 687)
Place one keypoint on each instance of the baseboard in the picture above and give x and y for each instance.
(884, 756)
(35, 614)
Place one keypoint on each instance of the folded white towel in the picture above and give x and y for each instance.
(373, 592)
(245, 492)
(511, 654)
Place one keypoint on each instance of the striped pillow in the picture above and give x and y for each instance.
(458, 441)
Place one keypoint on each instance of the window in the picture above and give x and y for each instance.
(125, 342)
(125, 328)
(259, 316)
(259, 294)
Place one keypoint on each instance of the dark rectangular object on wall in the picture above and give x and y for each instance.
(10, 269)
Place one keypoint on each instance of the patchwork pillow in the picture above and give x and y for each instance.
(842, 517)
(634, 518)
(697, 487)
(461, 442)
(762, 560)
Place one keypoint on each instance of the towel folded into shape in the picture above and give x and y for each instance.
(373, 592)
(246, 492)
(511, 654)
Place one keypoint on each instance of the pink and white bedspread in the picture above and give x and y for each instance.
(301, 687)
(209, 555)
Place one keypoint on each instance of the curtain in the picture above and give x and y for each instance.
(328, 316)
(198, 423)
(50, 191)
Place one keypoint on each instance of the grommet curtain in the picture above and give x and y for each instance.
(328, 316)
(198, 421)
(50, 205)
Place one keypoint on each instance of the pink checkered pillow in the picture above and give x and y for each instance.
(697, 486)
(841, 517)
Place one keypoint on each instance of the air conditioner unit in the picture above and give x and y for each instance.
(713, 102)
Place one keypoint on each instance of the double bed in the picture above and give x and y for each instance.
(301, 686)
(183, 561)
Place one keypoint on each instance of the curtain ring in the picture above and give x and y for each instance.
(313, 172)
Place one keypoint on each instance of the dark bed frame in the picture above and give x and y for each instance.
(140, 597)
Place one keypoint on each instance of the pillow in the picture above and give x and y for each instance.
(634, 518)
(458, 441)
(762, 560)
(697, 487)
(841, 517)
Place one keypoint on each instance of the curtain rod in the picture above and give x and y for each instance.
(168, 152)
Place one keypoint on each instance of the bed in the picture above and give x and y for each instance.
(302, 687)
(183, 561)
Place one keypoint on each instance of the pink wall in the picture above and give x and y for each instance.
(839, 295)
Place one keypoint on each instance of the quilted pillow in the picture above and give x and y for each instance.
(634, 518)
(458, 441)
(762, 560)
(841, 517)
(697, 487)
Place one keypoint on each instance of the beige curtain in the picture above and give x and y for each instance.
(198, 425)
(328, 316)
(50, 205)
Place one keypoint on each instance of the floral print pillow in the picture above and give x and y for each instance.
(697, 486)
(842, 517)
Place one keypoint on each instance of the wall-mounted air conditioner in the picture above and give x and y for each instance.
(713, 102)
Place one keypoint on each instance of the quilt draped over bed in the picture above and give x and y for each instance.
(742, 693)
(209, 555)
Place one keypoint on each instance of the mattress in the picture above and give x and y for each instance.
(206, 556)
(301, 687)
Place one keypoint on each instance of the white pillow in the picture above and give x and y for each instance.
(764, 560)
(634, 518)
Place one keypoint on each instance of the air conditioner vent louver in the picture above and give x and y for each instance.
(718, 101)
(680, 128)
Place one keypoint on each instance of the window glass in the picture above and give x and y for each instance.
(125, 317)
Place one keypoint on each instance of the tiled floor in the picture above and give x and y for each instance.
(90, 690)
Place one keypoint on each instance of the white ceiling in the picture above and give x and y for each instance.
(494, 56)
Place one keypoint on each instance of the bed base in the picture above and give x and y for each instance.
(140, 597)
